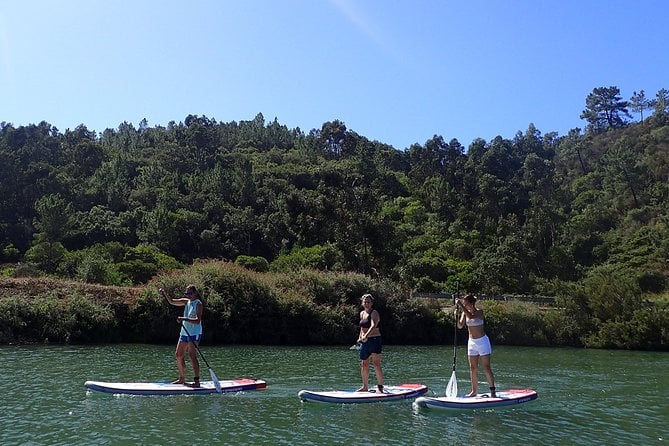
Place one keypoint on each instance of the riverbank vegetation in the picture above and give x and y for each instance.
(312, 307)
(583, 217)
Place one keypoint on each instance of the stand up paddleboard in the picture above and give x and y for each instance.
(390, 393)
(161, 388)
(480, 401)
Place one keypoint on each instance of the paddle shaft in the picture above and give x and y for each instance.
(455, 324)
(452, 387)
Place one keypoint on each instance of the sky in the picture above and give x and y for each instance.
(394, 71)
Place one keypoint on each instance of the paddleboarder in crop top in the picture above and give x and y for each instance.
(478, 346)
(191, 332)
(370, 343)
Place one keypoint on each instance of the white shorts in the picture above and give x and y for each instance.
(479, 346)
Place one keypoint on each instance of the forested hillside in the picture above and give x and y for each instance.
(510, 215)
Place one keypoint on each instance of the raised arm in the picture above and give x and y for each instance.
(461, 320)
(170, 300)
(465, 311)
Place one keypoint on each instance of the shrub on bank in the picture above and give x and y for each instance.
(648, 329)
(75, 319)
(255, 263)
(515, 323)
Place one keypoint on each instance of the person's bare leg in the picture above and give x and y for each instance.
(376, 360)
(364, 374)
(474, 374)
(192, 353)
(181, 363)
(485, 363)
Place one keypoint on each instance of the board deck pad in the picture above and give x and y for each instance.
(481, 401)
(165, 388)
(390, 393)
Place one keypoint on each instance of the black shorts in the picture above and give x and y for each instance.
(373, 345)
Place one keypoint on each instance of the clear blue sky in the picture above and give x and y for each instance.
(392, 70)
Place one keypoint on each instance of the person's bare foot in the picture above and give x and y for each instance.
(179, 381)
(363, 389)
(471, 394)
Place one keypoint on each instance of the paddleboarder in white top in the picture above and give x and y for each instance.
(478, 346)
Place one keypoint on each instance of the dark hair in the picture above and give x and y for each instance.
(194, 290)
(470, 298)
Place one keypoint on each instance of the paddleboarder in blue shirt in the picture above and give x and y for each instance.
(191, 332)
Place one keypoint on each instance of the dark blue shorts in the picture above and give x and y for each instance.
(194, 338)
(373, 345)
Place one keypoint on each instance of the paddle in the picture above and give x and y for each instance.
(217, 384)
(452, 387)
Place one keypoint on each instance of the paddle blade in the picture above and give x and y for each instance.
(452, 387)
(217, 384)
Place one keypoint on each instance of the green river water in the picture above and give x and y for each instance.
(586, 397)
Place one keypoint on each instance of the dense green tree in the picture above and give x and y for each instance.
(112, 182)
(503, 266)
(46, 255)
(604, 109)
(158, 227)
(621, 163)
(638, 102)
(54, 218)
(335, 140)
(572, 152)
(545, 215)
(661, 106)
(98, 225)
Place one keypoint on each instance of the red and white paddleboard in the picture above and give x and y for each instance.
(163, 388)
(480, 401)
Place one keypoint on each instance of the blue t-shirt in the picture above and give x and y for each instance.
(190, 311)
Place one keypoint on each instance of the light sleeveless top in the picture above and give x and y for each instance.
(190, 310)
